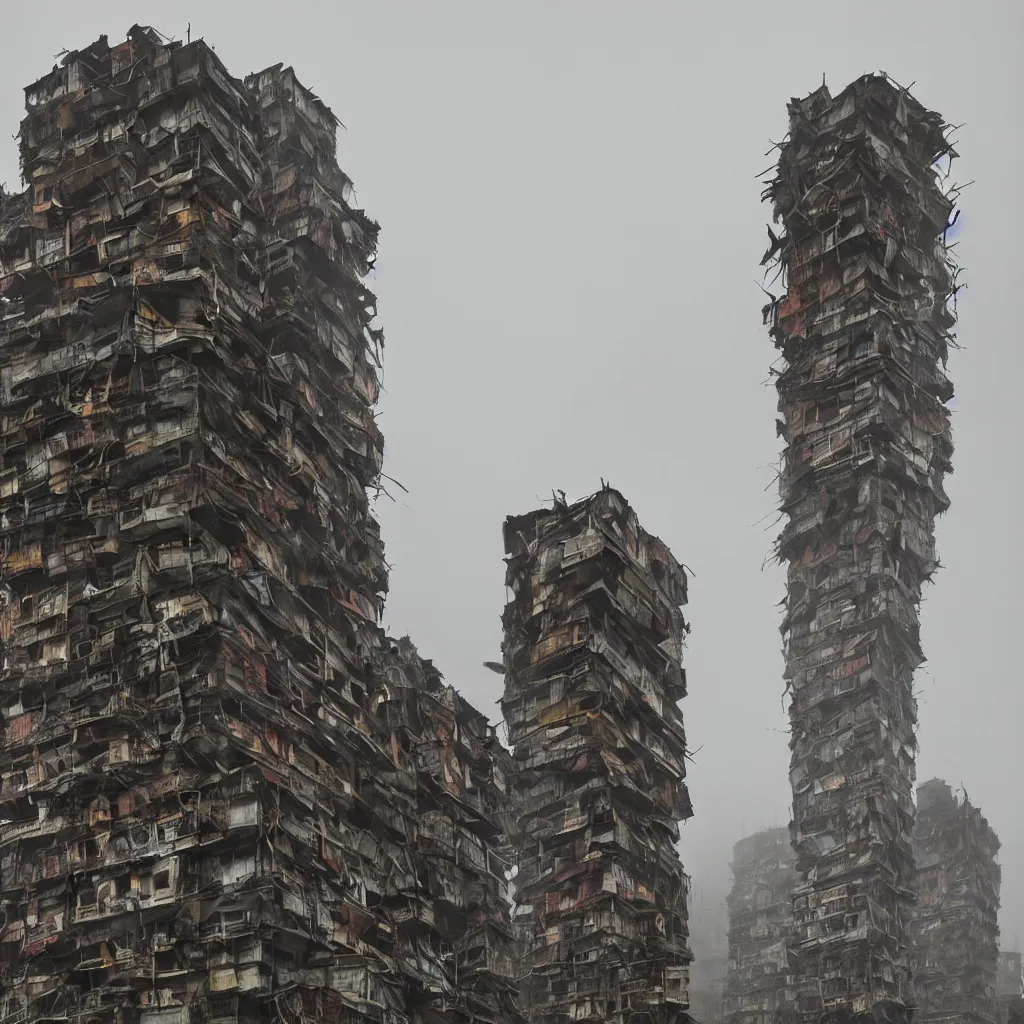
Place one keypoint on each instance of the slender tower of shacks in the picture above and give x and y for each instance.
(593, 657)
(760, 905)
(955, 926)
(225, 797)
(863, 332)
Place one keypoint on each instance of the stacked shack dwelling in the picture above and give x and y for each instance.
(757, 983)
(955, 928)
(593, 660)
(1009, 975)
(863, 334)
(1009, 987)
(224, 795)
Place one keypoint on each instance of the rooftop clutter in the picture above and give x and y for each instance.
(226, 796)
(593, 658)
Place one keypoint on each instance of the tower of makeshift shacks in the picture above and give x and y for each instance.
(863, 332)
(1009, 986)
(757, 984)
(225, 797)
(593, 660)
(955, 925)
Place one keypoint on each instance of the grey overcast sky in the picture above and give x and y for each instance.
(571, 231)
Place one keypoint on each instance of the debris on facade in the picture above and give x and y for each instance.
(863, 331)
(593, 657)
(758, 984)
(955, 924)
(226, 797)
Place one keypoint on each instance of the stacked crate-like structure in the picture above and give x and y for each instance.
(863, 332)
(593, 655)
(201, 820)
(955, 925)
(758, 982)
